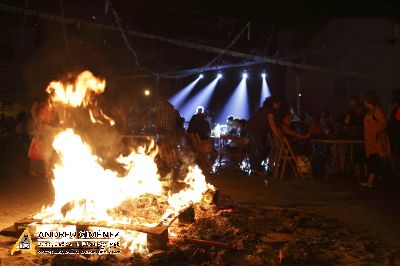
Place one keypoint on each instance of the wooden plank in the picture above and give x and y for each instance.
(144, 229)
(157, 230)
(9, 231)
(205, 243)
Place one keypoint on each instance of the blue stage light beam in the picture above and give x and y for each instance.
(265, 92)
(178, 99)
(237, 105)
(264, 89)
(202, 98)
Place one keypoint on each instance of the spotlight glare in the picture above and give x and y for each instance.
(147, 92)
(244, 75)
(201, 76)
(219, 75)
(299, 94)
(263, 75)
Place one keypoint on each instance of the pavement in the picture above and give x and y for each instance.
(373, 211)
(376, 211)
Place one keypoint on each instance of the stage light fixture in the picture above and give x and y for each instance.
(147, 92)
(201, 76)
(219, 75)
(245, 75)
(263, 75)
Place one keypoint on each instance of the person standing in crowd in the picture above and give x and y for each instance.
(166, 118)
(230, 126)
(393, 117)
(375, 137)
(327, 123)
(46, 120)
(289, 131)
(258, 127)
(166, 130)
(293, 137)
(200, 126)
(35, 165)
(256, 131)
(272, 106)
(353, 126)
(198, 115)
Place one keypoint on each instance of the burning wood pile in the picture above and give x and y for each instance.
(234, 234)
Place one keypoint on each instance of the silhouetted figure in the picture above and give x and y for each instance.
(354, 129)
(375, 137)
(200, 126)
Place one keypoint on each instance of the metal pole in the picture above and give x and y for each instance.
(156, 89)
(396, 33)
(298, 93)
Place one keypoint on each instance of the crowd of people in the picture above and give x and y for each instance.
(364, 120)
(14, 132)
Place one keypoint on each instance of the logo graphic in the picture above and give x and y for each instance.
(24, 244)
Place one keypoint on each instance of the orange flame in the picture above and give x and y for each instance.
(92, 190)
(76, 94)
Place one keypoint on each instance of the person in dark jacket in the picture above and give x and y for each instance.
(256, 131)
(200, 126)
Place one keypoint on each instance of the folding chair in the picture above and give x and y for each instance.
(284, 154)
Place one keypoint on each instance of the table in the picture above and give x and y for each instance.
(223, 141)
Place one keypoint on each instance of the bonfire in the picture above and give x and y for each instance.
(87, 191)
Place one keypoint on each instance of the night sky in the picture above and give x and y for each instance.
(35, 50)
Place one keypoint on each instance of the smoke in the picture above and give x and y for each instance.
(47, 58)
